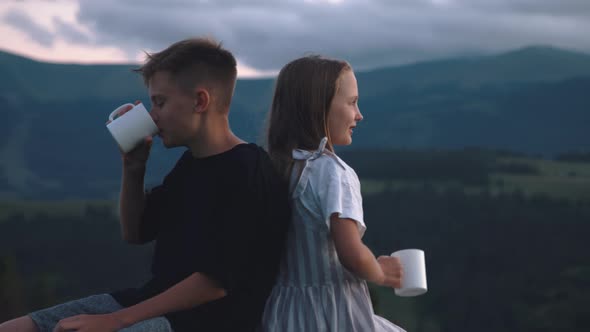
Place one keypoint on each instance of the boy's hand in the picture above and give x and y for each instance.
(392, 270)
(89, 323)
(136, 158)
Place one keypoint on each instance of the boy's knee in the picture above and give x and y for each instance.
(21, 324)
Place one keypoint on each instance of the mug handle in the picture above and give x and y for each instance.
(115, 112)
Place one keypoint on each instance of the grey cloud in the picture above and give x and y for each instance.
(70, 32)
(532, 7)
(23, 22)
(268, 33)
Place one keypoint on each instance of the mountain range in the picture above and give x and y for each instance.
(54, 143)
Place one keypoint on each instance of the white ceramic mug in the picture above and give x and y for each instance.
(414, 275)
(131, 128)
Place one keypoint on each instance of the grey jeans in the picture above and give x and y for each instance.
(46, 319)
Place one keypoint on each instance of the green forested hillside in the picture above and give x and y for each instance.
(495, 262)
(483, 162)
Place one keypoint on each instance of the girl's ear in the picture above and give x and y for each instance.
(202, 100)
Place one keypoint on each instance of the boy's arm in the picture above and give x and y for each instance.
(192, 291)
(132, 199)
(132, 203)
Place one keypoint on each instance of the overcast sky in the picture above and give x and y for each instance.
(265, 34)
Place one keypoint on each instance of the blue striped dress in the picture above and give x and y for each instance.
(314, 291)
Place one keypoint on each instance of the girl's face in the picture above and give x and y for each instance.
(344, 112)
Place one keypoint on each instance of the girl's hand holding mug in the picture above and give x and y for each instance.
(392, 271)
(414, 264)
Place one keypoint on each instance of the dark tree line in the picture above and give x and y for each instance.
(495, 263)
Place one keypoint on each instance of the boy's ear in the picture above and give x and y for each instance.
(201, 100)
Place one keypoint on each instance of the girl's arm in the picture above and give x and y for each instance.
(358, 258)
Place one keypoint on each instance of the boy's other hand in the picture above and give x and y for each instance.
(90, 323)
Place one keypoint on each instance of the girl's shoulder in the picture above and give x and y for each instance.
(328, 167)
(323, 165)
(323, 160)
(332, 163)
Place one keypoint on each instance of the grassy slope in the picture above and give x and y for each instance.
(64, 208)
(557, 179)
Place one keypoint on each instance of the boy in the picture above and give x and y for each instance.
(219, 218)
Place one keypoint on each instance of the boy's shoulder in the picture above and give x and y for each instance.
(246, 151)
(253, 162)
(248, 156)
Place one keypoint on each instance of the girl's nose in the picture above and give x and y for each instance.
(359, 116)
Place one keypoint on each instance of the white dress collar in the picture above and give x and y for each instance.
(299, 154)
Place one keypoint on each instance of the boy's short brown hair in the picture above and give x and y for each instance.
(195, 61)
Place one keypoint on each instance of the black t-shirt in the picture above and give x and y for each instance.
(225, 216)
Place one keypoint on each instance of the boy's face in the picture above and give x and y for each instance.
(344, 112)
(173, 111)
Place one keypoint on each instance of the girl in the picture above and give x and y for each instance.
(322, 282)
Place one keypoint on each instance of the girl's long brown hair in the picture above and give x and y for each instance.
(298, 117)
